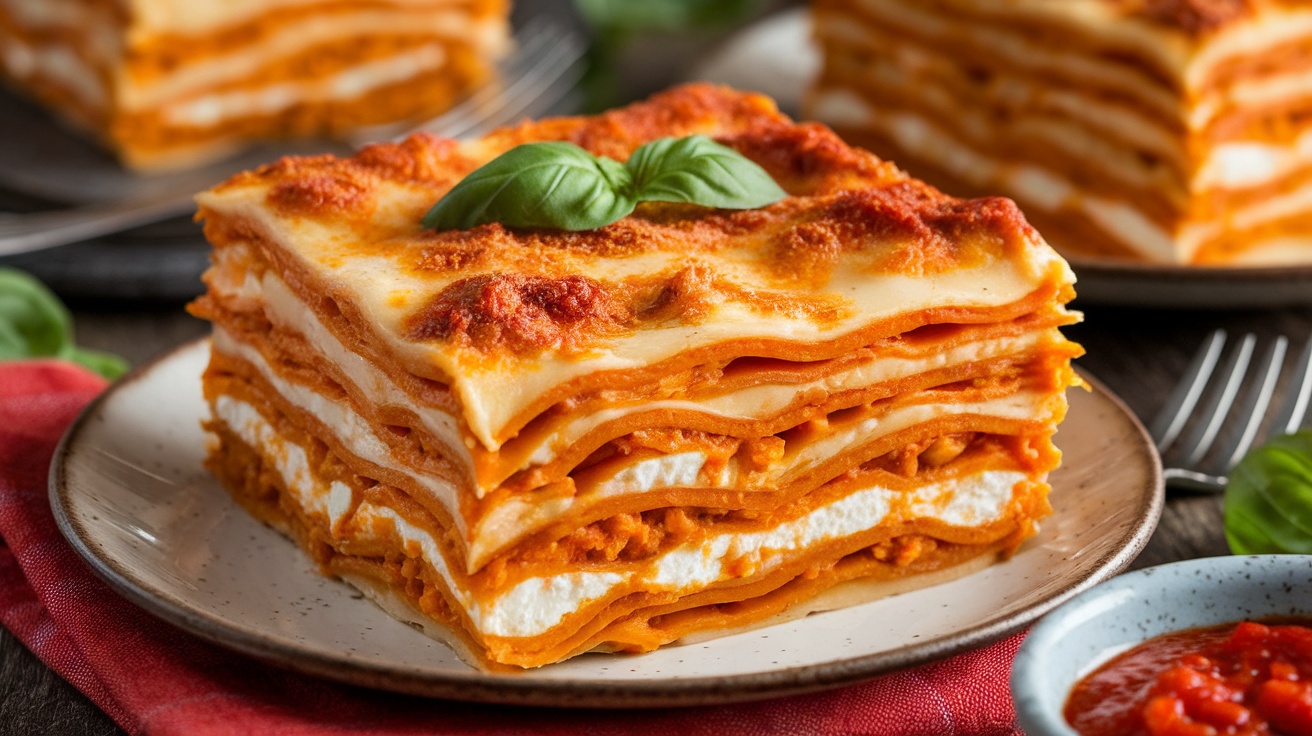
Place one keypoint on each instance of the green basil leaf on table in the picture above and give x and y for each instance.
(697, 170)
(108, 365)
(35, 324)
(549, 185)
(560, 186)
(628, 16)
(1268, 500)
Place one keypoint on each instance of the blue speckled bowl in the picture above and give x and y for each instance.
(1108, 619)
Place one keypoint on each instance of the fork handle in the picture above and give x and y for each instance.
(1191, 480)
(20, 233)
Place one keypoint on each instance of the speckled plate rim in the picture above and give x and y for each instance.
(675, 691)
(1031, 669)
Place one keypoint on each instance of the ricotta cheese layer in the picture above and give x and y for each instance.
(521, 514)
(535, 605)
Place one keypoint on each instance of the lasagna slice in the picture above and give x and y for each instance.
(171, 83)
(543, 443)
(1168, 131)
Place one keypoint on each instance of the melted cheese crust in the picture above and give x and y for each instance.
(510, 320)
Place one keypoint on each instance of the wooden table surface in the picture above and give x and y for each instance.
(1137, 353)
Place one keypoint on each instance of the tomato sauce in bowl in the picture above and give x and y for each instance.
(1234, 679)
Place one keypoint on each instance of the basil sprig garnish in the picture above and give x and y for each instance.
(561, 186)
(1268, 500)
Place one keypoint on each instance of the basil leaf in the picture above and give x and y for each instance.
(559, 185)
(33, 322)
(700, 171)
(1268, 501)
(547, 185)
(108, 365)
(612, 16)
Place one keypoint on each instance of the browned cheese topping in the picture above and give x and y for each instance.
(519, 290)
(1194, 17)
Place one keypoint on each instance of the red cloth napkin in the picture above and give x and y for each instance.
(154, 679)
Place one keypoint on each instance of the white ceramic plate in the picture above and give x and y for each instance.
(130, 494)
(775, 56)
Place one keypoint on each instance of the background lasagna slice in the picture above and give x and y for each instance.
(167, 84)
(1173, 131)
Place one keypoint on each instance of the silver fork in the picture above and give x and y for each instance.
(1201, 443)
(543, 69)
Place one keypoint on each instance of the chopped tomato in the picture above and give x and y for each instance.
(1245, 679)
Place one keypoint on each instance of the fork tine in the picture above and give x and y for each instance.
(535, 90)
(1180, 404)
(1218, 406)
(1291, 414)
(465, 116)
(1255, 408)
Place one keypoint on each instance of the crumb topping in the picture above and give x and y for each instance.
(519, 311)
